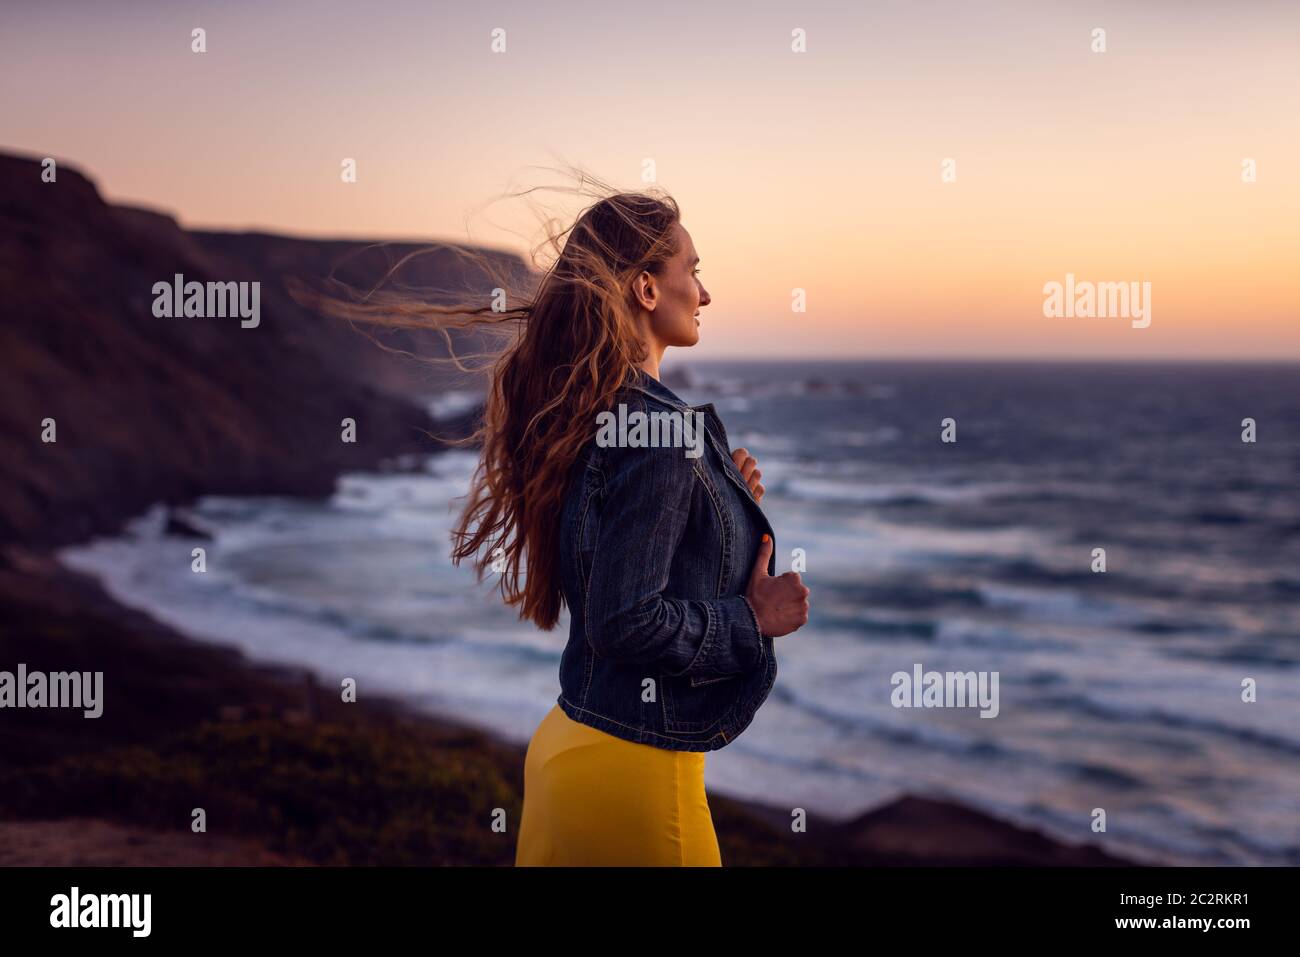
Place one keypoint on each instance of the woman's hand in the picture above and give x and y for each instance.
(748, 466)
(780, 603)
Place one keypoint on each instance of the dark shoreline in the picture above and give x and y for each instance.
(289, 775)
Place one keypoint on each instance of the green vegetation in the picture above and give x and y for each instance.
(331, 793)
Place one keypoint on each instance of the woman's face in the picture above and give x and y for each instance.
(674, 297)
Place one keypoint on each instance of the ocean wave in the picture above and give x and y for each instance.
(861, 438)
(861, 492)
(1085, 704)
(908, 594)
(995, 636)
(453, 403)
(1104, 775)
(906, 735)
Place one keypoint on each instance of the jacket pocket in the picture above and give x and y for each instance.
(692, 709)
(698, 680)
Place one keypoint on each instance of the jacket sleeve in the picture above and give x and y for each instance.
(643, 520)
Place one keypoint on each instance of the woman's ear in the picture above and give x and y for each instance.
(646, 290)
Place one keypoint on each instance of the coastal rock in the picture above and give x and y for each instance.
(142, 408)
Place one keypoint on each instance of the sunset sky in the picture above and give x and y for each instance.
(817, 170)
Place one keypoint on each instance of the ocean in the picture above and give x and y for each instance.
(1120, 690)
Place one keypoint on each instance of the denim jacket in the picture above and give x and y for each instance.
(656, 551)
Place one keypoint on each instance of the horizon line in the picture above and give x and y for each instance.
(1045, 359)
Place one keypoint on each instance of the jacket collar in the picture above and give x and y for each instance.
(642, 381)
(645, 382)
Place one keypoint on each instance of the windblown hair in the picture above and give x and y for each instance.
(570, 346)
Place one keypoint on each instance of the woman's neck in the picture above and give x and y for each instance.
(650, 364)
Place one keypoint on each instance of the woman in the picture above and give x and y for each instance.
(660, 553)
(672, 607)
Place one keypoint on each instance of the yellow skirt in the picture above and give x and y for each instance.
(594, 799)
